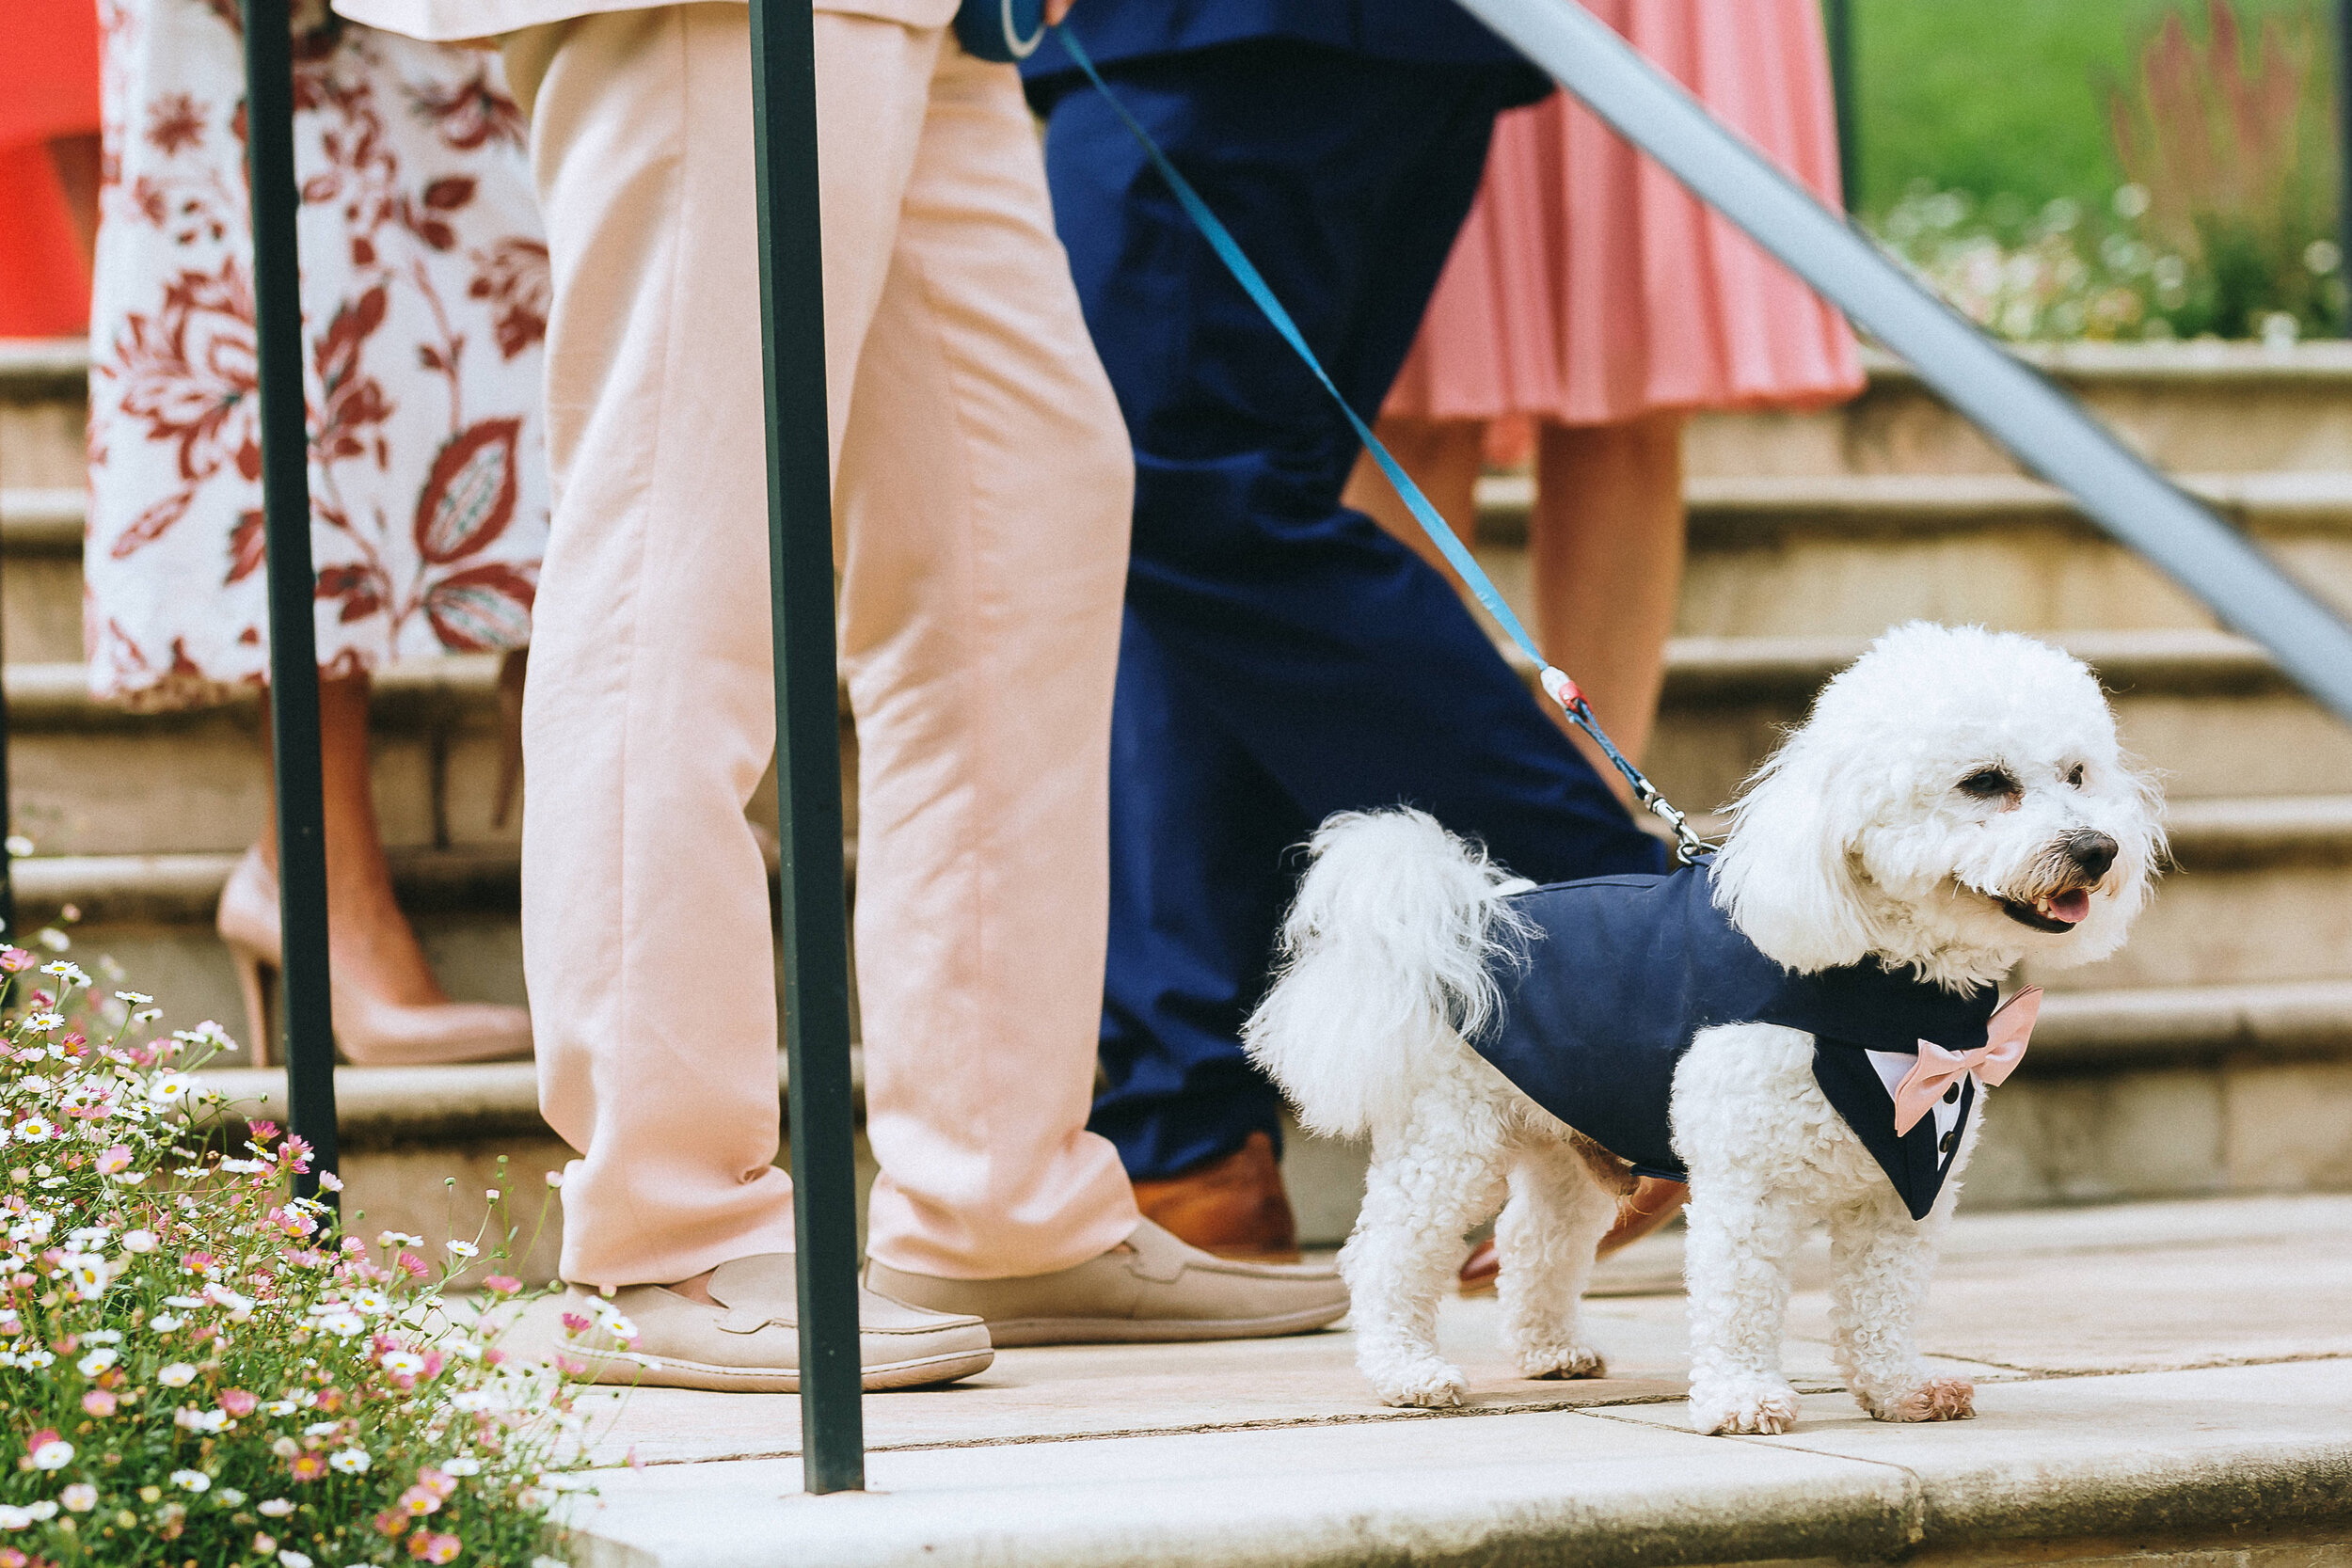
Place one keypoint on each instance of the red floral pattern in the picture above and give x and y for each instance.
(425, 290)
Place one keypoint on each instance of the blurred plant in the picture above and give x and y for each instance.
(2026, 277)
(195, 1368)
(2222, 228)
(2237, 156)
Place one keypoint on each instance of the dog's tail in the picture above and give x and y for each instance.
(1384, 960)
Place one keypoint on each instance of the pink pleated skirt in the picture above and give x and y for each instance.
(1589, 288)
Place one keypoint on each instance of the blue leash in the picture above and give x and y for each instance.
(1555, 681)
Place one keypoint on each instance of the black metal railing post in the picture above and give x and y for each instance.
(294, 668)
(2025, 412)
(1838, 22)
(808, 745)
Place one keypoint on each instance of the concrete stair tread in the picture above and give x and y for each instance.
(2182, 659)
(2286, 1017)
(377, 1106)
(1834, 500)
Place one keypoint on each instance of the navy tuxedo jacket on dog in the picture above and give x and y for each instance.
(1624, 972)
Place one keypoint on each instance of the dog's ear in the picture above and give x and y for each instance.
(1786, 875)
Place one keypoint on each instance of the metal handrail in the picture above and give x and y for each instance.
(294, 661)
(808, 745)
(2028, 414)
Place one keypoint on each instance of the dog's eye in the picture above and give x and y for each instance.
(2074, 777)
(1989, 784)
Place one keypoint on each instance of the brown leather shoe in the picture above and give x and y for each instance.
(1649, 1206)
(1234, 1206)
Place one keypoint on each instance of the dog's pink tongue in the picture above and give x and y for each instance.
(2072, 905)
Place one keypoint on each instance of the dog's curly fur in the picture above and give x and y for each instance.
(1881, 829)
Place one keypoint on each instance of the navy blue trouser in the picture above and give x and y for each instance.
(1282, 658)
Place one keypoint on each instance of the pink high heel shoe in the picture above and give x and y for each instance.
(370, 1032)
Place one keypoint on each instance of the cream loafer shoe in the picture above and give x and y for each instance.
(750, 1342)
(1150, 1287)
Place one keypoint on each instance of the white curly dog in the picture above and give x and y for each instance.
(1931, 814)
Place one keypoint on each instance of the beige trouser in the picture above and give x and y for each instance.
(980, 512)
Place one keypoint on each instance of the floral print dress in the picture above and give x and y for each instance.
(425, 293)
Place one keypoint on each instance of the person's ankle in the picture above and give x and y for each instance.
(696, 1289)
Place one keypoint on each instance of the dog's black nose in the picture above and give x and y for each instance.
(2092, 851)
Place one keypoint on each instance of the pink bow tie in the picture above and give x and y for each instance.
(1938, 1070)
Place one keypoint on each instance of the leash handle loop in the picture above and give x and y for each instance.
(1555, 682)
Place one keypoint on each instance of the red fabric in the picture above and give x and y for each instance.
(48, 89)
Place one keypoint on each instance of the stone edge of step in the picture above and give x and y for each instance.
(2175, 661)
(456, 687)
(185, 889)
(382, 1107)
(1728, 509)
(2079, 1032)
(2324, 359)
(57, 696)
(2206, 834)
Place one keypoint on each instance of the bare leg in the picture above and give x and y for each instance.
(372, 946)
(76, 160)
(1546, 1238)
(1443, 458)
(1606, 543)
(1879, 1262)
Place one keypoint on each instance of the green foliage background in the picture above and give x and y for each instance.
(1996, 96)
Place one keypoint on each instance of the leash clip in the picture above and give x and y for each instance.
(1561, 689)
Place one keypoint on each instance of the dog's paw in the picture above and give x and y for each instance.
(1766, 1407)
(1569, 1359)
(1431, 1385)
(1939, 1399)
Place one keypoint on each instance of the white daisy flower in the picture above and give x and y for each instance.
(463, 1249)
(192, 1480)
(179, 1374)
(463, 1464)
(97, 1361)
(351, 1462)
(274, 1508)
(55, 1454)
(165, 1322)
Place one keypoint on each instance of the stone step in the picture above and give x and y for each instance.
(1839, 554)
(2203, 406)
(1850, 554)
(45, 403)
(2174, 1092)
(41, 575)
(91, 778)
(2207, 708)
(2261, 895)
(87, 778)
(2188, 407)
